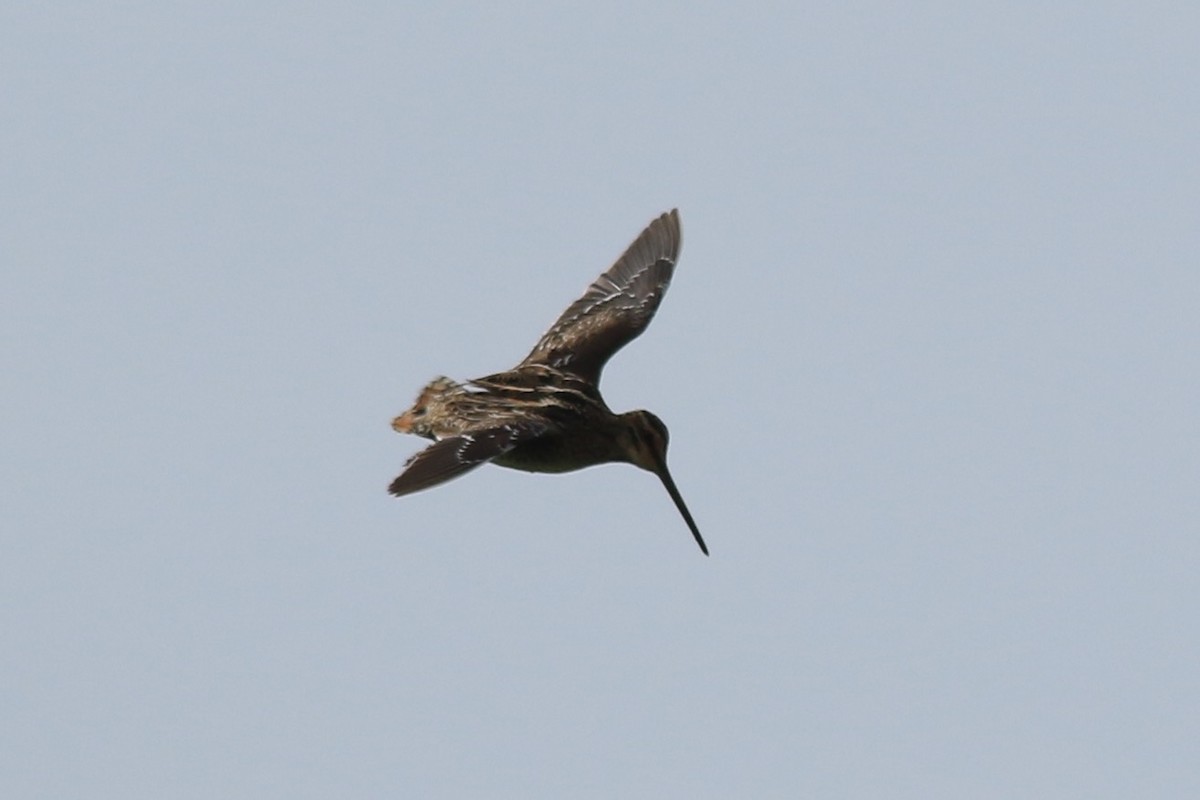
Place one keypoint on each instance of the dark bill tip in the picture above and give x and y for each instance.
(665, 476)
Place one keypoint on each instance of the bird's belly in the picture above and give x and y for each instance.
(548, 454)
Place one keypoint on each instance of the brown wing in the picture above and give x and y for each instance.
(456, 455)
(616, 308)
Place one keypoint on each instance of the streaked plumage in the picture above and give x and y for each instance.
(546, 414)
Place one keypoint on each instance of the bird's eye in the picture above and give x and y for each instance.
(419, 411)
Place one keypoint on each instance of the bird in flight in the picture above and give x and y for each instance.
(546, 414)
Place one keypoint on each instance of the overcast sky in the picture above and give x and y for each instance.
(929, 363)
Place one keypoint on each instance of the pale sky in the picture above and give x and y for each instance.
(929, 363)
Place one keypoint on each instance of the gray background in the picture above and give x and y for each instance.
(929, 364)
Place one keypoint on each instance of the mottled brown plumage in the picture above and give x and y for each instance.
(546, 414)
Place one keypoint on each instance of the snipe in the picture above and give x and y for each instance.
(546, 414)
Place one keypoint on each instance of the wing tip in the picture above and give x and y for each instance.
(667, 226)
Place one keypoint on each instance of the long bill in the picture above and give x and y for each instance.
(665, 476)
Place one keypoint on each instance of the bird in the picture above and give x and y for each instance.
(546, 414)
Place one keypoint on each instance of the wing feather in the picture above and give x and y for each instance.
(616, 308)
(457, 455)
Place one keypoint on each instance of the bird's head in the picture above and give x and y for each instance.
(646, 440)
(645, 446)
